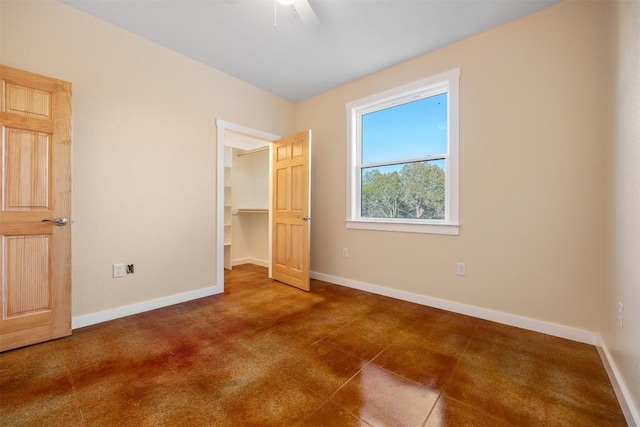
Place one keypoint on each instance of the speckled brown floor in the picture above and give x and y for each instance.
(266, 354)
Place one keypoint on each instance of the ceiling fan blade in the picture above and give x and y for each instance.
(306, 13)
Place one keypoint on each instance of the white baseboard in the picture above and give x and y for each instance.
(631, 412)
(249, 260)
(128, 310)
(554, 329)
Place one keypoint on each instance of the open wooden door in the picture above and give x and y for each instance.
(291, 209)
(35, 246)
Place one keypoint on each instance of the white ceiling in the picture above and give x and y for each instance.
(297, 60)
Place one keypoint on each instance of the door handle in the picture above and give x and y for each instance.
(60, 222)
(306, 218)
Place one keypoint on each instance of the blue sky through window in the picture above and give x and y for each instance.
(406, 131)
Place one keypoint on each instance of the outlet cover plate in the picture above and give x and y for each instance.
(461, 269)
(118, 270)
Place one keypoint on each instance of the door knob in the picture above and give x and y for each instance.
(60, 222)
(306, 218)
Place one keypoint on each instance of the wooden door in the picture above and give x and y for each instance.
(35, 247)
(291, 209)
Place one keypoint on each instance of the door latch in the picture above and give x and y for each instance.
(60, 222)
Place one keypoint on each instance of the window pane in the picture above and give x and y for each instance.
(406, 131)
(407, 190)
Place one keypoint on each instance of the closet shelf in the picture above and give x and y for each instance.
(240, 211)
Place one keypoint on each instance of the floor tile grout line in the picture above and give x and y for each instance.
(442, 391)
(440, 396)
(362, 368)
(74, 391)
(458, 363)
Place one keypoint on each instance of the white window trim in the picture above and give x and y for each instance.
(448, 81)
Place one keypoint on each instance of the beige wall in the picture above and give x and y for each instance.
(622, 268)
(144, 150)
(531, 174)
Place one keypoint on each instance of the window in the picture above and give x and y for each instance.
(403, 158)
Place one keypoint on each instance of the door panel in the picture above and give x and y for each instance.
(297, 246)
(27, 170)
(280, 235)
(280, 185)
(297, 192)
(291, 205)
(27, 101)
(27, 284)
(35, 262)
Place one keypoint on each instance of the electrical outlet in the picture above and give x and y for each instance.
(461, 269)
(621, 314)
(345, 252)
(118, 270)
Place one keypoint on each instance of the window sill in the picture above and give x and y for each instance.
(405, 227)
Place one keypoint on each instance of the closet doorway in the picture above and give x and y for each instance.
(246, 186)
(244, 189)
(288, 203)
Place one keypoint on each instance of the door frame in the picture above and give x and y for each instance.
(222, 127)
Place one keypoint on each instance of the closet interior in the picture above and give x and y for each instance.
(246, 201)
